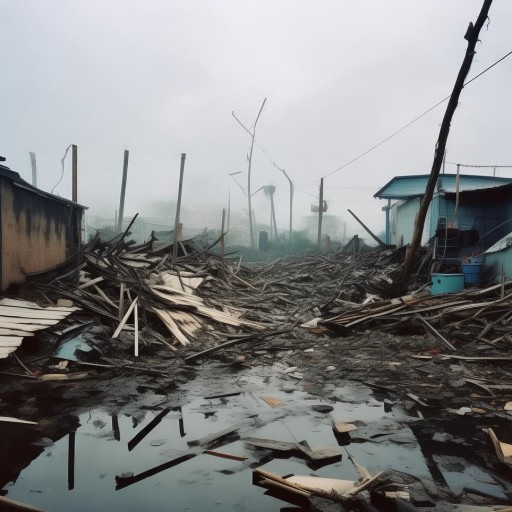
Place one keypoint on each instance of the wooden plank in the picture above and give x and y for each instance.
(8, 419)
(10, 341)
(27, 313)
(12, 332)
(5, 351)
(90, 282)
(171, 325)
(32, 305)
(22, 327)
(187, 322)
(125, 318)
(34, 321)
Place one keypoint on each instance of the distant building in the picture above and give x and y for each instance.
(38, 231)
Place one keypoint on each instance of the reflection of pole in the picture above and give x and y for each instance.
(115, 427)
(178, 208)
(71, 460)
(320, 212)
(181, 424)
(123, 192)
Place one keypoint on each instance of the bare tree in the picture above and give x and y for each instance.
(252, 134)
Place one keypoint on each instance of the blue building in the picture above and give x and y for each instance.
(467, 215)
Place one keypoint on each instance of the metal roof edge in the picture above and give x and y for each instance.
(18, 181)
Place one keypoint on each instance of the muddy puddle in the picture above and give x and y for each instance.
(154, 459)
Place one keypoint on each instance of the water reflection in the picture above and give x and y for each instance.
(206, 467)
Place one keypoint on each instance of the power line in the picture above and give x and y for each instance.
(413, 121)
(482, 166)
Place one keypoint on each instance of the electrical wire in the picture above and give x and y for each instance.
(413, 121)
(62, 163)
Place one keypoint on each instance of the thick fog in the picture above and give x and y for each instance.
(161, 78)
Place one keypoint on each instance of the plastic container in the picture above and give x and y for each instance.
(447, 283)
(472, 273)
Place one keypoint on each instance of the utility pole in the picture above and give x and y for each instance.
(34, 167)
(471, 36)
(178, 208)
(291, 207)
(123, 192)
(252, 134)
(74, 167)
(320, 213)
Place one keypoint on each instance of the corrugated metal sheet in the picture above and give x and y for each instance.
(402, 187)
(402, 219)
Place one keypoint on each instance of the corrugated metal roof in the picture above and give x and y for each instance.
(20, 182)
(403, 187)
(501, 245)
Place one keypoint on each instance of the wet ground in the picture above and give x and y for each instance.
(143, 452)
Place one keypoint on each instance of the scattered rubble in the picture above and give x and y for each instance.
(139, 319)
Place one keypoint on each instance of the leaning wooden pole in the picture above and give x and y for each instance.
(123, 191)
(178, 208)
(472, 38)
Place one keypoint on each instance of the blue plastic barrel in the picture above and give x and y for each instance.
(472, 273)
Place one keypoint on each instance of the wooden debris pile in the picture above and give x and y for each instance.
(455, 319)
(120, 280)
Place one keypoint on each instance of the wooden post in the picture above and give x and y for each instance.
(123, 192)
(74, 163)
(273, 213)
(471, 36)
(229, 216)
(222, 241)
(136, 325)
(34, 167)
(320, 213)
(178, 208)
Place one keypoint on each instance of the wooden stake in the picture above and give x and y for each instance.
(136, 330)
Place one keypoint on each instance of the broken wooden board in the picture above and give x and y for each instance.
(19, 318)
(212, 438)
(342, 427)
(171, 325)
(8, 419)
(273, 402)
(503, 450)
(313, 483)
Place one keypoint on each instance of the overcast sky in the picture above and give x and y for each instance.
(161, 78)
